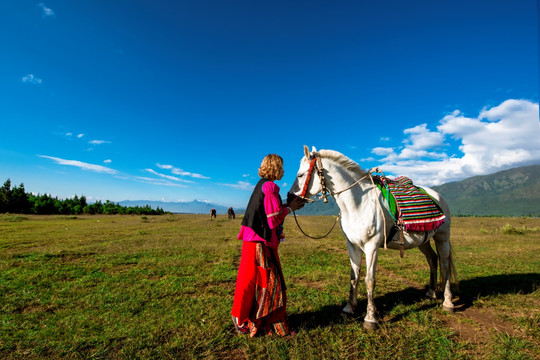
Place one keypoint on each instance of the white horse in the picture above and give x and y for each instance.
(366, 224)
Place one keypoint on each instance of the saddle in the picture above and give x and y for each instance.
(411, 208)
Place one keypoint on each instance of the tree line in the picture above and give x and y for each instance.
(16, 200)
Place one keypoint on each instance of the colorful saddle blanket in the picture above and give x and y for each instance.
(410, 205)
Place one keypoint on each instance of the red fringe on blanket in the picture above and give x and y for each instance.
(429, 226)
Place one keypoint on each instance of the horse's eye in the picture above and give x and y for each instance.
(300, 175)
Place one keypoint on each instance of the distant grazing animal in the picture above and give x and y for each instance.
(366, 224)
(230, 212)
(213, 213)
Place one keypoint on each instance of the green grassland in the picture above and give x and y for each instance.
(161, 287)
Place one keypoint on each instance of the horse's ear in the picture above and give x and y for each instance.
(313, 149)
(306, 152)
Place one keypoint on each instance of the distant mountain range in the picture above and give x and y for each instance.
(514, 192)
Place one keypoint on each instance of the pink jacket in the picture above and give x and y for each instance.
(275, 214)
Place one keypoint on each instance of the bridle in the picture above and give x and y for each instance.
(316, 164)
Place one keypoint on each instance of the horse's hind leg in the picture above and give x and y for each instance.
(431, 258)
(355, 255)
(444, 249)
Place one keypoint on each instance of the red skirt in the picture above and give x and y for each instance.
(260, 298)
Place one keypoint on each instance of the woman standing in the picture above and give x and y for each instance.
(260, 299)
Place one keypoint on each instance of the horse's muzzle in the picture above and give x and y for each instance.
(291, 197)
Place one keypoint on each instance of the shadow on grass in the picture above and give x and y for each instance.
(326, 316)
(332, 314)
(479, 287)
(468, 291)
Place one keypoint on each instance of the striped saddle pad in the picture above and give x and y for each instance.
(410, 205)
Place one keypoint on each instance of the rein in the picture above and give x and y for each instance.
(317, 237)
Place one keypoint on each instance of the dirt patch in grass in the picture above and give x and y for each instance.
(487, 320)
(476, 325)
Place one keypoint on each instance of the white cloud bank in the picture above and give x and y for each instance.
(80, 164)
(501, 137)
(169, 177)
(96, 142)
(181, 172)
(159, 182)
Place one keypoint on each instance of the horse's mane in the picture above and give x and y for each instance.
(341, 160)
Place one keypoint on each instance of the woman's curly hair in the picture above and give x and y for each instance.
(271, 167)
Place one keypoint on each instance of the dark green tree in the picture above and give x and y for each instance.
(16, 200)
(5, 196)
(19, 203)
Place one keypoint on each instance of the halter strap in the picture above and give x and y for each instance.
(308, 176)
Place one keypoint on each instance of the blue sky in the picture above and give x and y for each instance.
(181, 100)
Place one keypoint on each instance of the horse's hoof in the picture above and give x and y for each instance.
(448, 309)
(348, 310)
(369, 325)
(431, 294)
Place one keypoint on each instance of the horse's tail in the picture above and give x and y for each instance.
(452, 276)
(453, 271)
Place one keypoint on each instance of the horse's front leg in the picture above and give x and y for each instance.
(355, 255)
(431, 258)
(371, 250)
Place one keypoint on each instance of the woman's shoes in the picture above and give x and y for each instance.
(252, 330)
(239, 329)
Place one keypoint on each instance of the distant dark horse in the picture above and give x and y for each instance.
(230, 212)
(213, 213)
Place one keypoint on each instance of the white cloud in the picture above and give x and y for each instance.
(181, 172)
(46, 10)
(108, 161)
(421, 138)
(31, 79)
(501, 137)
(99, 142)
(382, 151)
(160, 182)
(80, 164)
(173, 178)
(80, 136)
(241, 185)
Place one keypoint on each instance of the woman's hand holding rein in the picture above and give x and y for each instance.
(296, 203)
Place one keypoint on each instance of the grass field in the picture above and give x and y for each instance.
(161, 287)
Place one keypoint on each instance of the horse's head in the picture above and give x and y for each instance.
(307, 183)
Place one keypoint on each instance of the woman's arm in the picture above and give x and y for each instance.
(275, 211)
